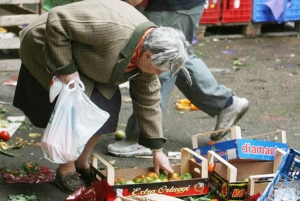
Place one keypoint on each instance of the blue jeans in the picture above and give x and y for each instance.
(205, 92)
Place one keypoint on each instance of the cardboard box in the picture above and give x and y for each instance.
(231, 181)
(243, 148)
(192, 187)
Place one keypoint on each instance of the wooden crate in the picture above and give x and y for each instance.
(14, 16)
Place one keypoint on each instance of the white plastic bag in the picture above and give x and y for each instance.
(55, 88)
(74, 120)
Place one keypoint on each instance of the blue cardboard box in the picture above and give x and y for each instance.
(244, 149)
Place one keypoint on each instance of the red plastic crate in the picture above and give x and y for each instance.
(211, 14)
(236, 15)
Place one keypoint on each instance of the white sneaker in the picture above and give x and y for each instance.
(128, 149)
(229, 116)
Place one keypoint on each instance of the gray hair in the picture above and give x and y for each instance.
(169, 48)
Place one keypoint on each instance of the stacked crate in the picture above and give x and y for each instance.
(223, 12)
(249, 14)
(15, 15)
(242, 14)
(262, 13)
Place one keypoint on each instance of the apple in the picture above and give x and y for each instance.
(129, 182)
(120, 135)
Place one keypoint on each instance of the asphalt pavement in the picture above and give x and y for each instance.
(269, 79)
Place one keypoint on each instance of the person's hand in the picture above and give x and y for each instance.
(67, 78)
(161, 161)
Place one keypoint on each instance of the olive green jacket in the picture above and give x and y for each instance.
(96, 38)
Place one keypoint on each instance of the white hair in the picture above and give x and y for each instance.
(169, 48)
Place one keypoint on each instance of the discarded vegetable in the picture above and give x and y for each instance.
(120, 135)
(6, 153)
(4, 135)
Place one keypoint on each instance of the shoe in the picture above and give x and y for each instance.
(69, 183)
(128, 149)
(229, 116)
(85, 175)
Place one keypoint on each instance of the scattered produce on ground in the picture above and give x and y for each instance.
(185, 104)
(4, 135)
(120, 135)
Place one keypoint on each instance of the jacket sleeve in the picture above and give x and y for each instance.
(145, 94)
(58, 45)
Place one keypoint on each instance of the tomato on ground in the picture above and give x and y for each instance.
(4, 135)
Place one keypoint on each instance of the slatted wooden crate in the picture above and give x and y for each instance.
(14, 16)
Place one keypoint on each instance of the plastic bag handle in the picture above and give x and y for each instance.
(77, 83)
(68, 88)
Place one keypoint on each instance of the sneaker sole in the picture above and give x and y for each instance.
(131, 154)
(218, 137)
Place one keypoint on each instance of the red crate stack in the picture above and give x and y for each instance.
(236, 15)
(212, 12)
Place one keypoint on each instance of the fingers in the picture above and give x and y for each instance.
(67, 78)
(161, 162)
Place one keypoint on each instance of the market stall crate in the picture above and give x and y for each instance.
(253, 147)
(241, 14)
(211, 13)
(285, 185)
(196, 186)
(290, 11)
(230, 180)
(14, 16)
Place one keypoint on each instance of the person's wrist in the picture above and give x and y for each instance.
(156, 150)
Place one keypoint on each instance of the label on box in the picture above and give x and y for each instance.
(244, 149)
(227, 191)
(182, 188)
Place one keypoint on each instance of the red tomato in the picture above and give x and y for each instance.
(4, 135)
(211, 167)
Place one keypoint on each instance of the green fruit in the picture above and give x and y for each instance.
(186, 176)
(163, 176)
(120, 135)
(137, 180)
(149, 179)
(246, 179)
(129, 182)
(143, 180)
(157, 180)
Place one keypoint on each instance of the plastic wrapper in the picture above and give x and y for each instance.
(99, 191)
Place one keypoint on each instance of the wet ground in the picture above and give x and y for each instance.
(265, 70)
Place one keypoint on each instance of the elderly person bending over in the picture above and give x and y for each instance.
(104, 43)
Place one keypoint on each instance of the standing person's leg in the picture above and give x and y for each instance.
(211, 97)
(205, 92)
(130, 147)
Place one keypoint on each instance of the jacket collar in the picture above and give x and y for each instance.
(118, 74)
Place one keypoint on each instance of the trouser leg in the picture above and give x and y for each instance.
(167, 81)
(184, 20)
(205, 92)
